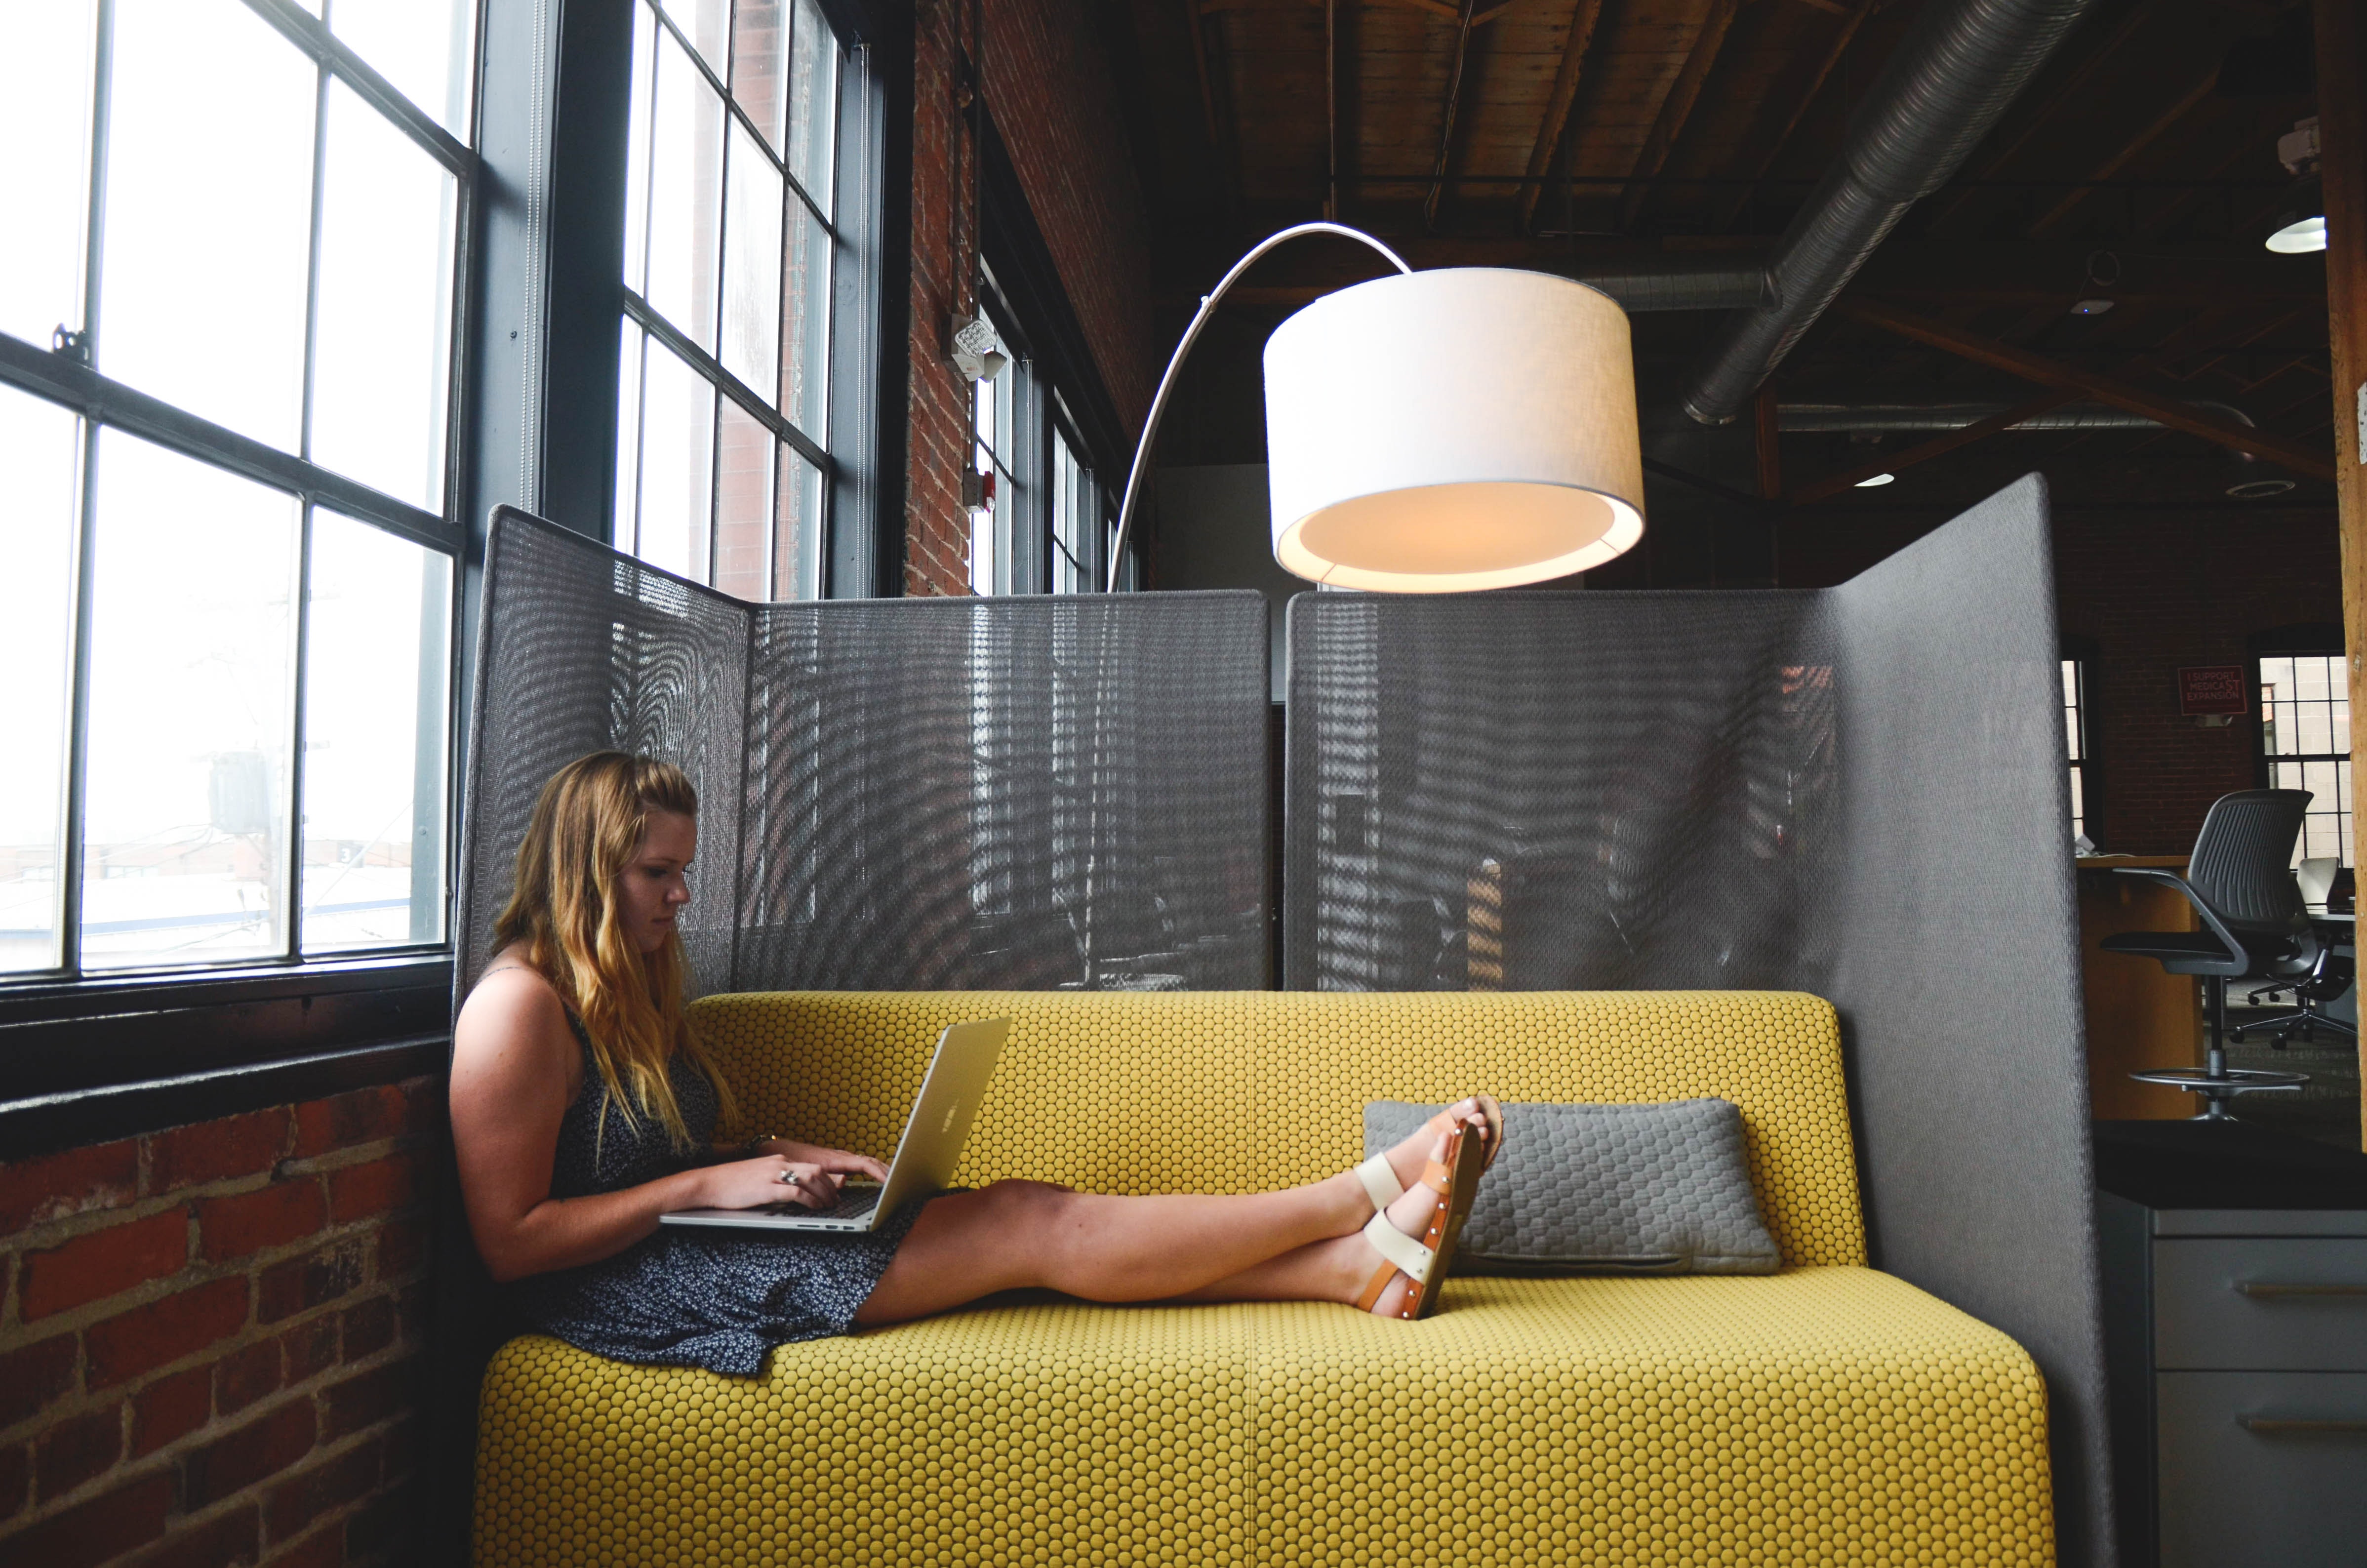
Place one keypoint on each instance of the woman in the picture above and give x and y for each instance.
(582, 1109)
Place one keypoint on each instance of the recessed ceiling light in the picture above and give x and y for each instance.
(2090, 307)
(2255, 489)
(2301, 237)
(1878, 479)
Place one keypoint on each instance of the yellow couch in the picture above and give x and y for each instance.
(1827, 1414)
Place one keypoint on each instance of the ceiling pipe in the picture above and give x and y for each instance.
(1686, 286)
(1834, 417)
(1950, 79)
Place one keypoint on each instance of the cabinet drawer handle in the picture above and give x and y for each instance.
(2275, 1424)
(2264, 1287)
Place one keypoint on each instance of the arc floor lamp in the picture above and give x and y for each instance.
(1439, 432)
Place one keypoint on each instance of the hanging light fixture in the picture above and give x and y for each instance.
(2301, 228)
(1441, 431)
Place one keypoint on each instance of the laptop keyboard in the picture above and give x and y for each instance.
(854, 1203)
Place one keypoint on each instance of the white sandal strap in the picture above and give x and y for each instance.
(1408, 1254)
(1380, 1181)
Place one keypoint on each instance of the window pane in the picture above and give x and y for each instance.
(760, 47)
(743, 502)
(38, 442)
(186, 831)
(805, 324)
(702, 22)
(637, 153)
(628, 437)
(209, 200)
(45, 174)
(751, 266)
(427, 48)
(798, 538)
(374, 707)
(813, 103)
(685, 206)
(379, 367)
(677, 457)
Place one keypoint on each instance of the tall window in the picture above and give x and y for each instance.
(2305, 744)
(997, 564)
(721, 440)
(227, 382)
(1040, 520)
(2075, 738)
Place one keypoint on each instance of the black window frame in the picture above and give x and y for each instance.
(2084, 655)
(2307, 639)
(538, 249)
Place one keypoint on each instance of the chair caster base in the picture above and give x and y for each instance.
(2219, 1090)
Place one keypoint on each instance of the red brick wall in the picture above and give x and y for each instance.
(1054, 102)
(2155, 593)
(209, 1337)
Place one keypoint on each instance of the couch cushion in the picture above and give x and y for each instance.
(1242, 1091)
(1819, 1416)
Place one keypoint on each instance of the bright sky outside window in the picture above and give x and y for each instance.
(722, 378)
(249, 762)
(2306, 738)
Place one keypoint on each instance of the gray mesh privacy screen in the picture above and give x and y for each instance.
(895, 794)
(1858, 792)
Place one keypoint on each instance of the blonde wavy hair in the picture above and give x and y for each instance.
(566, 909)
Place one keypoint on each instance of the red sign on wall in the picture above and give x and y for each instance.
(2212, 688)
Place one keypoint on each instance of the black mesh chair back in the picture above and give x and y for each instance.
(2242, 865)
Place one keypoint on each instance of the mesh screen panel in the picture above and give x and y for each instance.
(581, 648)
(1017, 793)
(1858, 792)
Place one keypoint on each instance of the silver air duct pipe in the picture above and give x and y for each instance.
(1953, 76)
(1724, 287)
(1835, 418)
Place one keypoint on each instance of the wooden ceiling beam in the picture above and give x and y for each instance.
(1446, 126)
(1774, 131)
(1556, 116)
(2129, 151)
(1942, 445)
(2055, 373)
(1677, 107)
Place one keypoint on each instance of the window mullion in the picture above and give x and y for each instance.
(292, 889)
(71, 831)
(312, 35)
(738, 391)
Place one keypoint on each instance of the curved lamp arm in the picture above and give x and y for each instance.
(1191, 335)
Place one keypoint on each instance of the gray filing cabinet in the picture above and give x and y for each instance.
(2236, 1334)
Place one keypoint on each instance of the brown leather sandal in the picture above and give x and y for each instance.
(1380, 1177)
(1423, 1263)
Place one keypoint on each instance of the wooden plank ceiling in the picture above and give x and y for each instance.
(2139, 167)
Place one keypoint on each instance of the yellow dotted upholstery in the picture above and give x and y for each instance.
(1829, 1414)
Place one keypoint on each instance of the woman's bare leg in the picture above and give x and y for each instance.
(1299, 1244)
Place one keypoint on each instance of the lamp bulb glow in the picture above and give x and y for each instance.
(1877, 481)
(2300, 238)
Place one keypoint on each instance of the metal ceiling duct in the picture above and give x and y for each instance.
(1956, 72)
(1881, 416)
(1687, 286)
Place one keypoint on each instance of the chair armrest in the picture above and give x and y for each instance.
(2211, 922)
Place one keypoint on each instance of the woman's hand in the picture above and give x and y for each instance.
(770, 1178)
(830, 1161)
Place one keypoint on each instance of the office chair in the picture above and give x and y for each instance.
(2240, 882)
(2329, 979)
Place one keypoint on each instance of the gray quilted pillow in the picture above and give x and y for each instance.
(1607, 1190)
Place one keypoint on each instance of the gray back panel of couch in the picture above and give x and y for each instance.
(1956, 961)
(895, 794)
(1021, 792)
(580, 650)
(1858, 792)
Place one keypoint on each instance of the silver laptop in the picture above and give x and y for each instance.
(925, 1155)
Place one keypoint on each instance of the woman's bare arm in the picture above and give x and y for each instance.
(512, 1060)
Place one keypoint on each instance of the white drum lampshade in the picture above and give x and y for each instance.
(1455, 429)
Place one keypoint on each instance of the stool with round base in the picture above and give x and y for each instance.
(2240, 881)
